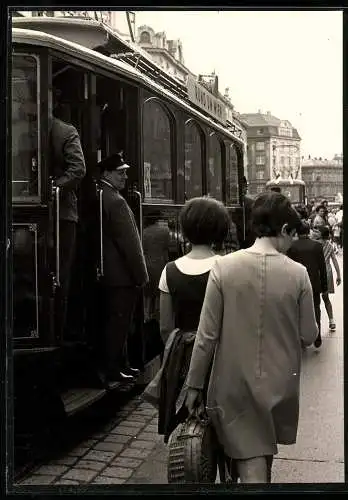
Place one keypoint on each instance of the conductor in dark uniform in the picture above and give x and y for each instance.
(124, 268)
(68, 169)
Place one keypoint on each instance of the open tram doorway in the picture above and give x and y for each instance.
(116, 106)
(69, 104)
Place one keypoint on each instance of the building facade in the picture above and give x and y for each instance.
(323, 178)
(273, 150)
(168, 54)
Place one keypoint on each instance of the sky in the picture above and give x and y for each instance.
(287, 62)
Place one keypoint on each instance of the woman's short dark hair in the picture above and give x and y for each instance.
(204, 221)
(319, 207)
(270, 212)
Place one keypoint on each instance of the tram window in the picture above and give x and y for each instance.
(214, 177)
(193, 161)
(231, 175)
(25, 127)
(158, 183)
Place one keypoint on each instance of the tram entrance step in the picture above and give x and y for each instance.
(77, 399)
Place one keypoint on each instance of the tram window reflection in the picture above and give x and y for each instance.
(193, 161)
(158, 183)
(25, 127)
(214, 177)
(231, 175)
(156, 245)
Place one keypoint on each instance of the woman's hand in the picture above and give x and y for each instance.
(193, 399)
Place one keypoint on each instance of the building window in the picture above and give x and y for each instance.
(145, 37)
(25, 127)
(214, 178)
(193, 161)
(231, 174)
(260, 146)
(285, 131)
(260, 160)
(260, 175)
(157, 131)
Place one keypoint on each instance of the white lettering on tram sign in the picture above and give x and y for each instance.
(205, 100)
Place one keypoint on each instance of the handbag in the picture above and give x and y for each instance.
(193, 451)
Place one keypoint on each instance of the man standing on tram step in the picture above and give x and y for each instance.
(68, 169)
(310, 254)
(125, 269)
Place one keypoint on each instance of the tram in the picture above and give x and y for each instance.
(176, 151)
(295, 189)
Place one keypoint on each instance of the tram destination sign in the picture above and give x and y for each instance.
(202, 98)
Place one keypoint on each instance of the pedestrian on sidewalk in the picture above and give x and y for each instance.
(310, 254)
(329, 255)
(258, 305)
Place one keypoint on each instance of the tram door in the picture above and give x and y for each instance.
(116, 106)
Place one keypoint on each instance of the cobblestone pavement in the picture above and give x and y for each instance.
(131, 452)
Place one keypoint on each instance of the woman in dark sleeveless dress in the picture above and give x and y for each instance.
(204, 222)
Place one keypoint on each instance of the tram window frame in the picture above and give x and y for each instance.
(209, 150)
(172, 153)
(31, 199)
(193, 122)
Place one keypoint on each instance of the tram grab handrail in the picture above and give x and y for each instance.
(100, 271)
(56, 191)
(138, 194)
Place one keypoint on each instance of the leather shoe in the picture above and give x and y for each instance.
(131, 371)
(120, 377)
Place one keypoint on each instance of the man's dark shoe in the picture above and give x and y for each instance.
(131, 371)
(120, 377)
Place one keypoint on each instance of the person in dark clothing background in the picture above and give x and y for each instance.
(250, 237)
(68, 169)
(124, 269)
(156, 241)
(310, 253)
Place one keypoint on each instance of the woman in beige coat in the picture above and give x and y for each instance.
(258, 306)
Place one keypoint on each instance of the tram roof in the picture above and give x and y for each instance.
(285, 182)
(31, 36)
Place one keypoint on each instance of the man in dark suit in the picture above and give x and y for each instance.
(310, 253)
(124, 268)
(68, 169)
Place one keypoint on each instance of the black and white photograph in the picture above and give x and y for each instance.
(176, 250)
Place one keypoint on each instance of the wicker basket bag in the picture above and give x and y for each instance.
(193, 451)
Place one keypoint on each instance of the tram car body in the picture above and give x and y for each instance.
(294, 189)
(175, 151)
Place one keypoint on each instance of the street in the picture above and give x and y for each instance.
(132, 453)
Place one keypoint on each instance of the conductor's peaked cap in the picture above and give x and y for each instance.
(113, 162)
